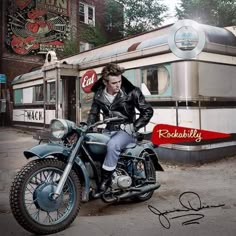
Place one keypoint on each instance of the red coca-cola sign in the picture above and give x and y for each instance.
(87, 81)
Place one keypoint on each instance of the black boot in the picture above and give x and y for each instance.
(105, 182)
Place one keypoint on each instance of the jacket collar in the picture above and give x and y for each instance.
(126, 86)
(100, 96)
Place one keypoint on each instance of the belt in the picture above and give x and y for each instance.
(113, 127)
(116, 127)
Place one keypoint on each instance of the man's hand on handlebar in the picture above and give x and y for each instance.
(93, 129)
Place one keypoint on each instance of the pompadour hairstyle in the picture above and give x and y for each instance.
(111, 69)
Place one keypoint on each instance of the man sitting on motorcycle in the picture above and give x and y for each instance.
(116, 96)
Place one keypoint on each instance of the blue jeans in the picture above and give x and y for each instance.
(119, 140)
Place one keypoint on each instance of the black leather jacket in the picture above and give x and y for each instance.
(125, 102)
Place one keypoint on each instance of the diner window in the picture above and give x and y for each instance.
(51, 92)
(18, 96)
(87, 14)
(28, 95)
(38, 93)
(156, 80)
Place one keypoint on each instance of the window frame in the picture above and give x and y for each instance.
(85, 14)
(20, 91)
(85, 46)
(49, 100)
(82, 13)
(34, 94)
(166, 92)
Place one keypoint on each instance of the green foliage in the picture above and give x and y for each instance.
(114, 20)
(213, 12)
(71, 46)
(121, 18)
(142, 15)
(94, 35)
(87, 33)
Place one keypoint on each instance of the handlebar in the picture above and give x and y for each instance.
(106, 121)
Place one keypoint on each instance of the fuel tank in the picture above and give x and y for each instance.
(96, 145)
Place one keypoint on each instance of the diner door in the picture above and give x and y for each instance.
(71, 98)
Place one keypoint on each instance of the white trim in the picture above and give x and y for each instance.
(197, 148)
(29, 84)
(216, 58)
(136, 63)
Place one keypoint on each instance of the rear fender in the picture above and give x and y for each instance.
(136, 150)
(53, 149)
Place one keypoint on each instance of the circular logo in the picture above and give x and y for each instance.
(88, 80)
(186, 39)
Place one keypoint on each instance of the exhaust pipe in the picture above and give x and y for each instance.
(139, 191)
(133, 193)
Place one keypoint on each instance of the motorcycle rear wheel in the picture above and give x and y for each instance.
(31, 202)
(147, 196)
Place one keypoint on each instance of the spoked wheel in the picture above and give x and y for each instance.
(31, 197)
(152, 177)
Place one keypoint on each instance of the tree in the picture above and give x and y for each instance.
(141, 15)
(114, 20)
(213, 12)
(122, 18)
(88, 33)
(93, 34)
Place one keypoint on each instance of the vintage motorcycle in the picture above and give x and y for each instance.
(47, 193)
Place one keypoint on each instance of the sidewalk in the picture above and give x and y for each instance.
(12, 144)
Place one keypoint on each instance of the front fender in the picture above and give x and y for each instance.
(85, 175)
(48, 149)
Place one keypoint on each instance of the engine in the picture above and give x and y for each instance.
(121, 179)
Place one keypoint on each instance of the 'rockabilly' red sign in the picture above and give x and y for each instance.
(166, 134)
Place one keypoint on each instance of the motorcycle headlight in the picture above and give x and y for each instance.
(60, 128)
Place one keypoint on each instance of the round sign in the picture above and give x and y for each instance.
(186, 39)
(87, 81)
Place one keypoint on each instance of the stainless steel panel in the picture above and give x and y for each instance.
(185, 80)
(217, 80)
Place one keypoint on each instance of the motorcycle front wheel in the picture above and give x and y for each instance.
(31, 197)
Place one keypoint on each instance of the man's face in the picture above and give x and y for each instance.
(113, 84)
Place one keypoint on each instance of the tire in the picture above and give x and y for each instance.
(30, 199)
(147, 196)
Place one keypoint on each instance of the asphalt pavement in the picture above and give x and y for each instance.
(12, 144)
